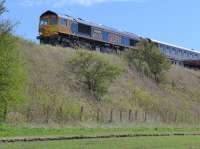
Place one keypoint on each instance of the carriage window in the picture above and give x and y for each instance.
(44, 22)
(53, 21)
(182, 53)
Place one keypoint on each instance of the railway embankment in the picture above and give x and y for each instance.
(55, 96)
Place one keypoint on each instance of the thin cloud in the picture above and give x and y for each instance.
(92, 2)
(61, 3)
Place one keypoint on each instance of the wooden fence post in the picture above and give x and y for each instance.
(98, 115)
(81, 113)
(111, 116)
(136, 115)
(120, 115)
(165, 117)
(145, 116)
(130, 115)
(175, 117)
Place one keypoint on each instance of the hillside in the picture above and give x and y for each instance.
(53, 94)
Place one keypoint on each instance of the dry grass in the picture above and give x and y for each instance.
(54, 95)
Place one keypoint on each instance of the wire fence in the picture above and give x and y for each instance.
(139, 116)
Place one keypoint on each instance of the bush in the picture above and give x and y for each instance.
(16, 118)
(94, 71)
(12, 75)
(5, 25)
(148, 59)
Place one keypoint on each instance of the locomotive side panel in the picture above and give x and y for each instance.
(74, 27)
(114, 38)
(125, 41)
(64, 26)
(105, 36)
(100, 34)
(84, 29)
(97, 34)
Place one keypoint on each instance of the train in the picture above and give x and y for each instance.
(64, 30)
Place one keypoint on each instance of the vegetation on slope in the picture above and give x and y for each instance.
(94, 71)
(148, 60)
(12, 74)
(54, 94)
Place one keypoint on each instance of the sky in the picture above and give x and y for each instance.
(171, 21)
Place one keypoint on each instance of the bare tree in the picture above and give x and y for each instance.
(5, 25)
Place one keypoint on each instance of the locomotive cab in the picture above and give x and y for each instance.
(48, 24)
(52, 27)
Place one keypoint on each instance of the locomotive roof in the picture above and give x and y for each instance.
(48, 12)
(130, 35)
(175, 46)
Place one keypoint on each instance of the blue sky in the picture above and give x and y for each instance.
(172, 21)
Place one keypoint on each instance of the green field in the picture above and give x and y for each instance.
(178, 142)
(19, 131)
(171, 142)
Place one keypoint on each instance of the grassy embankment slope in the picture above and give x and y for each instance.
(54, 95)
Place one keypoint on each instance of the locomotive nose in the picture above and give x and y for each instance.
(47, 30)
(44, 30)
(41, 30)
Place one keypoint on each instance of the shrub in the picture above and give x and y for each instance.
(5, 25)
(94, 71)
(148, 59)
(12, 75)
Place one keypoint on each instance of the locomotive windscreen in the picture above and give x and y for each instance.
(84, 29)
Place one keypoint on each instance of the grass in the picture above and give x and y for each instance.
(178, 142)
(55, 96)
(9, 131)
